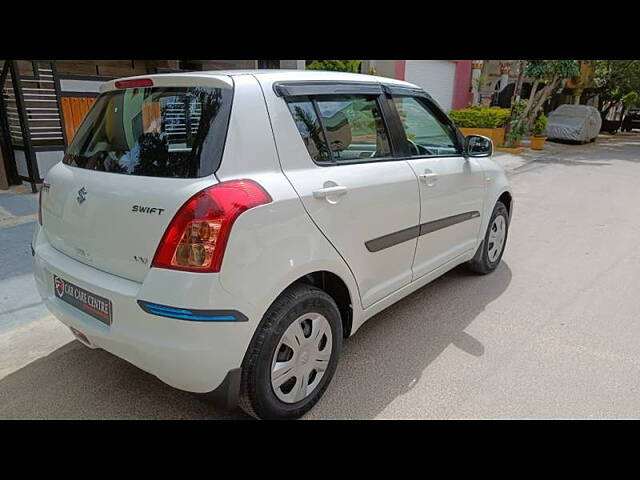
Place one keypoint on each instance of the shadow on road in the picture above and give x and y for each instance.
(76, 382)
(382, 361)
(623, 147)
(390, 352)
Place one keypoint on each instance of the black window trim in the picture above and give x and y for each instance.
(325, 87)
(332, 160)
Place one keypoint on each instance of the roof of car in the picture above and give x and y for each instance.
(281, 75)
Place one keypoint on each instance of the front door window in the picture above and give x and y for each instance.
(426, 135)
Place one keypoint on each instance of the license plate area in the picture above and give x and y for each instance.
(94, 305)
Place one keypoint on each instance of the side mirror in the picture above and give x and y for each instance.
(478, 146)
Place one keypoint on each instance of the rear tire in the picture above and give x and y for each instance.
(490, 251)
(281, 349)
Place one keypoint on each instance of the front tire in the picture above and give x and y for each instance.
(491, 249)
(293, 355)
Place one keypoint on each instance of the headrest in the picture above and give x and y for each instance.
(338, 131)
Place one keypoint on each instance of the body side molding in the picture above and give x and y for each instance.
(400, 236)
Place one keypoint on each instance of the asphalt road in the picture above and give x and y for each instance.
(554, 332)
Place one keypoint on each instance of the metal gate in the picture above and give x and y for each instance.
(30, 96)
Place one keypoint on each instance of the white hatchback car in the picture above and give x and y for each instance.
(225, 231)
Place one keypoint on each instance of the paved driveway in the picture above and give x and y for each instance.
(554, 332)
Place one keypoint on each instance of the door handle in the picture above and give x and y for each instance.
(429, 178)
(329, 191)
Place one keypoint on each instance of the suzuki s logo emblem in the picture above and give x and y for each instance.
(82, 194)
(59, 287)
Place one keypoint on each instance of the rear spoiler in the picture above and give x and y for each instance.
(190, 79)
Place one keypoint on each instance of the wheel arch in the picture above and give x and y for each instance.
(337, 289)
(331, 283)
(499, 190)
(335, 286)
(506, 198)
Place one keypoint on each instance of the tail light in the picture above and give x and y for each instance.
(197, 236)
(40, 206)
(135, 83)
(42, 187)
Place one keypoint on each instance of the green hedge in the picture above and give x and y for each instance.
(480, 116)
(335, 65)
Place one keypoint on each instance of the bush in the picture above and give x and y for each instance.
(540, 126)
(480, 116)
(336, 65)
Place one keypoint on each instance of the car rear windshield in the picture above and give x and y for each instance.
(159, 132)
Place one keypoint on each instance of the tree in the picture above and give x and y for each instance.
(547, 76)
(613, 81)
(513, 120)
(519, 82)
(631, 99)
(336, 65)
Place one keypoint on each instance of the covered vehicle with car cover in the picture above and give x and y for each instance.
(580, 123)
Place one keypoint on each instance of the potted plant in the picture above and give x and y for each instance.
(538, 139)
(482, 120)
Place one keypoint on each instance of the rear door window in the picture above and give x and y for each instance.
(158, 131)
(355, 127)
(341, 128)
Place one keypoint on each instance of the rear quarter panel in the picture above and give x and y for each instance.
(272, 245)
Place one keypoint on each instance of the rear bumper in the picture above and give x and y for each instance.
(196, 356)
